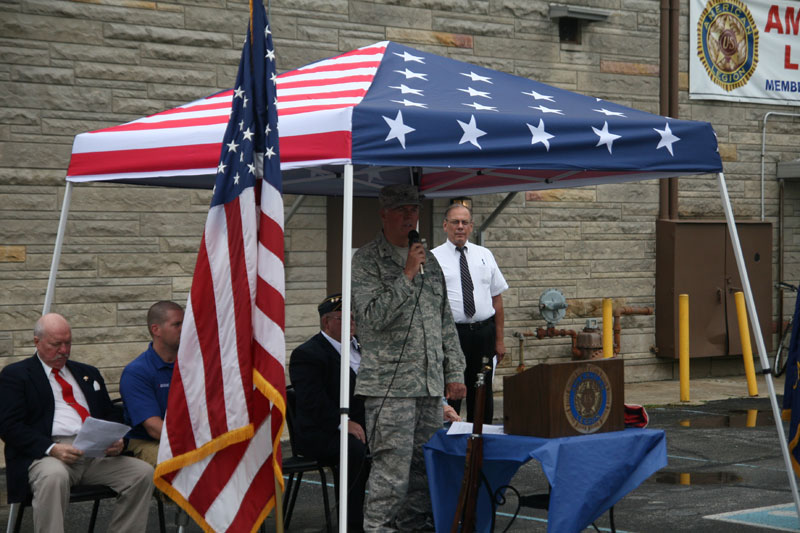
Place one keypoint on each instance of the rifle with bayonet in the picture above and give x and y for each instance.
(464, 519)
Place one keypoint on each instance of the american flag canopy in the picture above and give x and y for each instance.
(391, 110)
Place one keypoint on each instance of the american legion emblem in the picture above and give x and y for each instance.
(587, 398)
(727, 43)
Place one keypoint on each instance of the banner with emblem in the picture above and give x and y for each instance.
(745, 51)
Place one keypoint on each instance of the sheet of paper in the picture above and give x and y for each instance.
(459, 428)
(96, 435)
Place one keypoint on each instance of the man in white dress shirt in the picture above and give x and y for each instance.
(474, 288)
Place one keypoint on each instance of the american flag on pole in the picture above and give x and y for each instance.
(220, 446)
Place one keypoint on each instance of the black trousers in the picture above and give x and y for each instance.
(477, 341)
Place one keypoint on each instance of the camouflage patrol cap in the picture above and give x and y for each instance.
(330, 304)
(393, 196)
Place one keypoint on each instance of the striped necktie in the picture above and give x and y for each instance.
(466, 284)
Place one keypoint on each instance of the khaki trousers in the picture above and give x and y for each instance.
(50, 480)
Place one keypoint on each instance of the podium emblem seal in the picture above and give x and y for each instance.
(587, 398)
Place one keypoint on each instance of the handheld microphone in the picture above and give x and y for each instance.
(413, 237)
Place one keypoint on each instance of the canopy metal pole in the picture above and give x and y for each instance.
(762, 351)
(344, 371)
(494, 214)
(62, 228)
(293, 208)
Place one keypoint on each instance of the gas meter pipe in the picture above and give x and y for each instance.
(625, 310)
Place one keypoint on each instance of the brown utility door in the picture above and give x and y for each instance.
(695, 257)
(756, 241)
(700, 259)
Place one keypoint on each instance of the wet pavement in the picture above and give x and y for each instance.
(723, 456)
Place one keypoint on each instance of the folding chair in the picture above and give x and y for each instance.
(297, 465)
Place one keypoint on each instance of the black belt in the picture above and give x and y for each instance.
(473, 326)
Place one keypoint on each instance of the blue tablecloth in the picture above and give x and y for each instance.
(587, 474)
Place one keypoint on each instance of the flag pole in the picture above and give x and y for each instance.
(278, 504)
(762, 351)
(278, 488)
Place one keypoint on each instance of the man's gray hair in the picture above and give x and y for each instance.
(453, 206)
(38, 328)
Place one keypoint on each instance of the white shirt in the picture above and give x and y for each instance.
(66, 420)
(355, 352)
(487, 280)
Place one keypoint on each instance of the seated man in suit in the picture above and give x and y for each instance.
(314, 372)
(144, 385)
(43, 402)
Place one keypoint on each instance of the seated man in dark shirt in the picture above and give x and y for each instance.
(314, 372)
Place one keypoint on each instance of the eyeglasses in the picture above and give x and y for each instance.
(457, 222)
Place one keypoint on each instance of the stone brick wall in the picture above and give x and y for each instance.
(72, 66)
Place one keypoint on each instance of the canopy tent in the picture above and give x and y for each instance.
(387, 108)
(387, 113)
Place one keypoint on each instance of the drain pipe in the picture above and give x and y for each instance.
(780, 206)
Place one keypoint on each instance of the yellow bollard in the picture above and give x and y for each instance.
(752, 418)
(608, 331)
(747, 350)
(683, 345)
(685, 478)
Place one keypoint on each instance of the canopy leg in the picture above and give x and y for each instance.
(344, 373)
(762, 351)
(62, 227)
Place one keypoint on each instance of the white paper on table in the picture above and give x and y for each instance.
(460, 428)
(97, 435)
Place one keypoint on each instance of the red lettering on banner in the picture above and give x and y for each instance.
(773, 20)
(791, 22)
(787, 59)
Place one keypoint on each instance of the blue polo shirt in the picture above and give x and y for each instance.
(144, 387)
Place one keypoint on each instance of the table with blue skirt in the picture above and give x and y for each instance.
(587, 474)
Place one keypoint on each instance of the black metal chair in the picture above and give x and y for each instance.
(78, 494)
(296, 465)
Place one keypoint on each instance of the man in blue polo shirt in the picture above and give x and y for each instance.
(144, 384)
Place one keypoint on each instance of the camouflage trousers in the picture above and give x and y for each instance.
(397, 489)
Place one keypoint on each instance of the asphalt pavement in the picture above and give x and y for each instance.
(723, 452)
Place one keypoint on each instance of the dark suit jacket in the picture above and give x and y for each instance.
(314, 372)
(26, 415)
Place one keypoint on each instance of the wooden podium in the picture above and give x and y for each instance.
(565, 399)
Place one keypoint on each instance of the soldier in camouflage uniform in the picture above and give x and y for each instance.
(410, 358)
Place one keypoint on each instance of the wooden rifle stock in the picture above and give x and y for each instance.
(470, 484)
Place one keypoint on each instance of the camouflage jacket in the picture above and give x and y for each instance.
(383, 301)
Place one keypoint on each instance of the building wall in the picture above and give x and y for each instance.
(71, 66)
